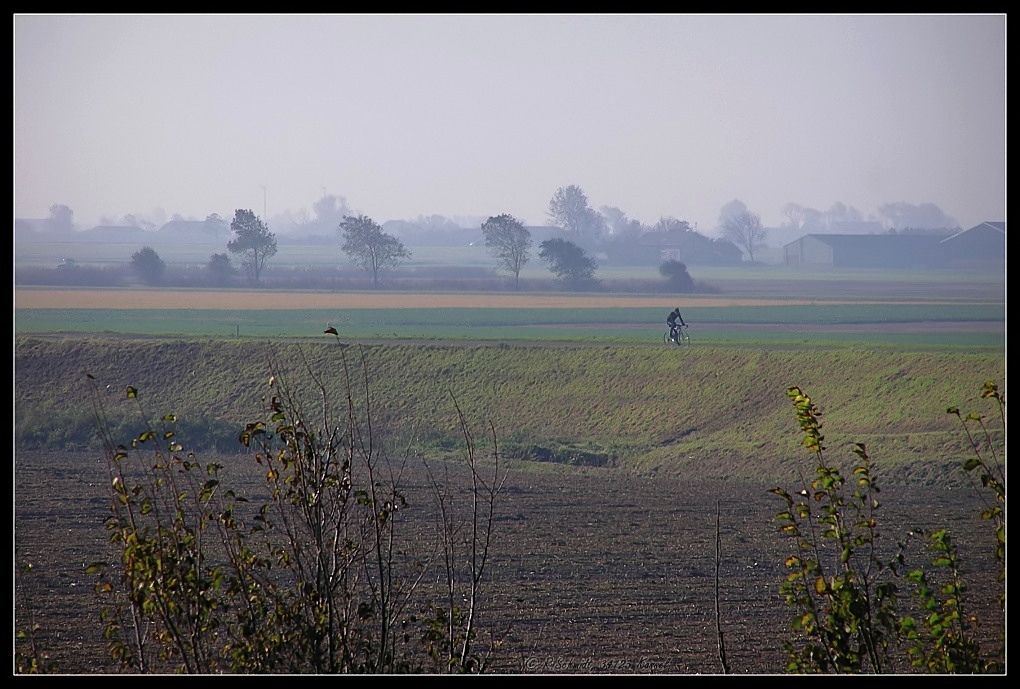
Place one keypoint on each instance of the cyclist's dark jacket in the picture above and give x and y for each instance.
(672, 319)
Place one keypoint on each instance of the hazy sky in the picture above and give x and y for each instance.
(478, 115)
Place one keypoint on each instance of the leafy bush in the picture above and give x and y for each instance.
(677, 277)
(220, 270)
(148, 266)
(846, 597)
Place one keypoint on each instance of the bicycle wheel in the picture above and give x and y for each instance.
(684, 338)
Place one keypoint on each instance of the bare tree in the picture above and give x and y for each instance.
(729, 210)
(509, 241)
(927, 215)
(569, 210)
(745, 230)
(804, 219)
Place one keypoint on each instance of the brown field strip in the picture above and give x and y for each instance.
(254, 300)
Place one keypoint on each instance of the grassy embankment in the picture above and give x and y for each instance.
(718, 412)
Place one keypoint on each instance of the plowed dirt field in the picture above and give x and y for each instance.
(592, 571)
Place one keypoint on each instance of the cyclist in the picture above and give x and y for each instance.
(674, 326)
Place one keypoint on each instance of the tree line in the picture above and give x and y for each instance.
(570, 258)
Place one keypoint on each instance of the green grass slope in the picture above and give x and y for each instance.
(703, 412)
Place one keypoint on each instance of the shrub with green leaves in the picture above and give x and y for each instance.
(847, 597)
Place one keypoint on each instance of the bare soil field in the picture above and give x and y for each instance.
(592, 572)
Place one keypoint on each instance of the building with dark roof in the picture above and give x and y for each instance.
(980, 246)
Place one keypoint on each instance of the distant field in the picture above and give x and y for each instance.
(44, 298)
(485, 317)
(748, 305)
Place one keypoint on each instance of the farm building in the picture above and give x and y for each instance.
(688, 247)
(114, 234)
(984, 244)
(193, 231)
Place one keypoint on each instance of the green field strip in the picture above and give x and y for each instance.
(624, 326)
(793, 315)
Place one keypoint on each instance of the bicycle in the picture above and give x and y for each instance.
(681, 338)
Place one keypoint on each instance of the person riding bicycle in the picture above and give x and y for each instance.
(674, 326)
